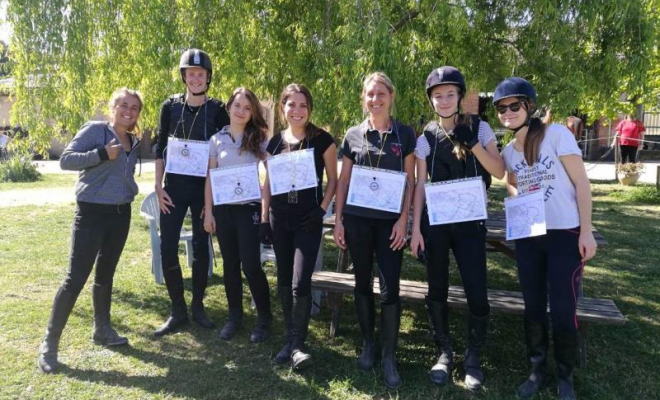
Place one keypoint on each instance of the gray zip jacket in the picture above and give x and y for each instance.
(101, 180)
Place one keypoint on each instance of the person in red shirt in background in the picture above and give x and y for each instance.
(629, 132)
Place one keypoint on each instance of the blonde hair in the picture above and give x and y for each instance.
(382, 78)
(123, 92)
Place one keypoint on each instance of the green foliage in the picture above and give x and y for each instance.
(18, 169)
(70, 55)
(639, 194)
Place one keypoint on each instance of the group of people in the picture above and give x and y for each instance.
(542, 158)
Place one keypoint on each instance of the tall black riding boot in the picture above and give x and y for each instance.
(62, 306)
(233, 324)
(536, 338)
(390, 318)
(477, 330)
(300, 357)
(438, 313)
(104, 334)
(200, 281)
(286, 297)
(566, 353)
(179, 314)
(366, 314)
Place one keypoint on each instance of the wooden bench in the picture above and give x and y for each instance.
(589, 310)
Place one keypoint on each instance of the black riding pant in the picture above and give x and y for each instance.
(295, 252)
(364, 237)
(467, 240)
(237, 228)
(98, 236)
(185, 195)
(551, 265)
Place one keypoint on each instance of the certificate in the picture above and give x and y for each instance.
(235, 184)
(525, 216)
(187, 157)
(291, 172)
(456, 200)
(375, 188)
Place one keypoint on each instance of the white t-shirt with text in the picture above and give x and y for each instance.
(548, 176)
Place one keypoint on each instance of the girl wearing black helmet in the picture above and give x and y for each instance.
(453, 147)
(546, 159)
(191, 116)
(296, 217)
(383, 143)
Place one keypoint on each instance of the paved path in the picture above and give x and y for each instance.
(44, 196)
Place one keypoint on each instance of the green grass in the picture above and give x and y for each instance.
(645, 194)
(60, 181)
(194, 364)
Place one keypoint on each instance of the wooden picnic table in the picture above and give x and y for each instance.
(495, 237)
(589, 310)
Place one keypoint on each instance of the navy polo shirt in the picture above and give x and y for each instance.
(367, 147)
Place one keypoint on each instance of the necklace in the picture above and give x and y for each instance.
(185, 152)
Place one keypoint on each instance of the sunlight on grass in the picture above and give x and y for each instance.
(194, 363)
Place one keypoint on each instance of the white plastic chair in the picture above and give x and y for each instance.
(151, 212)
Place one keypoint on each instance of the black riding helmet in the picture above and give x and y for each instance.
(195, 58)
(446, 75)
(515, 87)
(519, 88)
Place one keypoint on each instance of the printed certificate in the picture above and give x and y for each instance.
(457, 200)
(187, 157)
(235, 184)
(525, 216)
(292, 171)
(375, 188)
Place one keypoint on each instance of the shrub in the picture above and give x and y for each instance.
(18, 169)
(629, 168)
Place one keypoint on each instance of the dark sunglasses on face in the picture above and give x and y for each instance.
(515, 107)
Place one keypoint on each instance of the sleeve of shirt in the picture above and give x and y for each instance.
(346, 147)
(506, 157)
(423, 149)
(221, 117)
(618, 126)
(486, 134)
(272, 144)
(564, 141)
(264, 146)
(213, 146)
(640, 127)
(323, 141)
(411, 141)
(163, 128)
(83, 151)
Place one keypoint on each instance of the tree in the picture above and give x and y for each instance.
(580, 54)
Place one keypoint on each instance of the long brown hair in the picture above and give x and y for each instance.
(311, 130)
(460, 149)
(256, 128)
(535, 135)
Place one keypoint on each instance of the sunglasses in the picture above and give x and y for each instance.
(515, 107)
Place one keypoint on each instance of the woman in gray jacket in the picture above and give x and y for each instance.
(105, 154)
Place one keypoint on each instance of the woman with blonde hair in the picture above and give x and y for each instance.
(105, 154)
(378, 142)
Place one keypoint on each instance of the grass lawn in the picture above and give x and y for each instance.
(194, 364)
